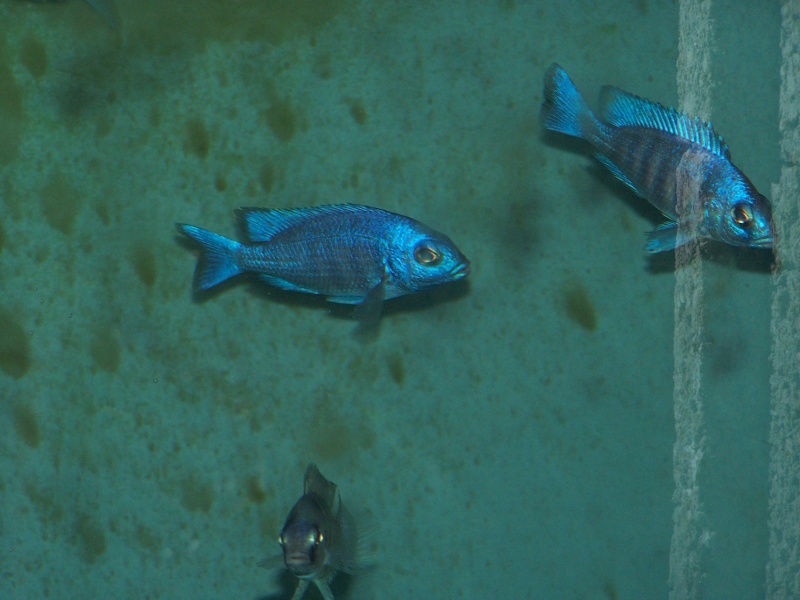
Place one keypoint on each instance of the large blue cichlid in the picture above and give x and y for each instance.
(350, 253)
(679, 164)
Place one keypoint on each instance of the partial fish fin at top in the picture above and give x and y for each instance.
(262, 224)
(563, 108)
(107, 9)
(217, 261)
(622, 109)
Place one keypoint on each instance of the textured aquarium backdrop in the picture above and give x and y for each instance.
(575, 420)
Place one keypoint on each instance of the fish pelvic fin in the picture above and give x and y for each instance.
(217, 261)
(669, 236)
(564, 109)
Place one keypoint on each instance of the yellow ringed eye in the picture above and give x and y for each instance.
(742, 216)
(427, 256)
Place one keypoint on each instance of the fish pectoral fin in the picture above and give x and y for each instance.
(663, 238)
(368, 312)
(669, 236)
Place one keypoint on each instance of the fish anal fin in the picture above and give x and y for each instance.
(617, 173)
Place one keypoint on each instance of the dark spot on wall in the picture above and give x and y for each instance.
(255, 490)
(144, 264)
(90, 538)
(45, 502)
(27, 425)
(267, 177)
(61, 203)
(397, 368)
(33, 56)
(358, 112)
(147, 540)
(103, 126)
(163, 27)
(220, 183)
(155, 117)
(323, 66)
(197, 495)
(282, 119)
(12, 113)
(15, 351)
(332, 435)
(198, 140)
(610, 590)
(105, 349)
(578, 305)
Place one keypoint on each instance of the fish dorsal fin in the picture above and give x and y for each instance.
(622, 109)
(315, 483)
(262, 224)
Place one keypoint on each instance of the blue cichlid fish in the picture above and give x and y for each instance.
(656, 151)
(319, 538)
(352, 254)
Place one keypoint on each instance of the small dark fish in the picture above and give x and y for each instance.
(319, 537)
(666, 157)
(352, 254)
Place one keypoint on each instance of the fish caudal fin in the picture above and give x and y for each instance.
(217, 262)
(564, 109)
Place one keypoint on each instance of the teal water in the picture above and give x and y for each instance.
(508, 438)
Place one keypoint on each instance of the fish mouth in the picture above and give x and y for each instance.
(767, 241)
(460, 270)
(297, 560)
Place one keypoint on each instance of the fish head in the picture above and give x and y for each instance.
(423, 258)
(305, 536)
(304, 550)
(744, 217)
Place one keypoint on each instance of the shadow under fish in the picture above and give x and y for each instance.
(349, 253)
(679, 164)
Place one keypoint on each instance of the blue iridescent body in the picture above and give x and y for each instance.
(347, 252)
(665, 157)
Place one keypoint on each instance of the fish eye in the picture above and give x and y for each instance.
(742, 216)
(427, 255)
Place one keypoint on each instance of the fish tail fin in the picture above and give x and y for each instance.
(217, 262)
(564, 109)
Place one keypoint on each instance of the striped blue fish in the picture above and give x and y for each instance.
(679, 164)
